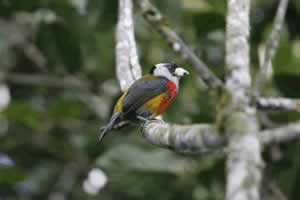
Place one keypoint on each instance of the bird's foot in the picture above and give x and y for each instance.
(150, 119)
(155, 120)
(142, 119)
(145, 122)
(121, 125)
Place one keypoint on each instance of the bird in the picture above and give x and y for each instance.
(147, 97)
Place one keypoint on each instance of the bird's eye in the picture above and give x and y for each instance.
(152, 70)
(171, 68)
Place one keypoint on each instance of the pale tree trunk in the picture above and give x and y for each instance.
(244, 163)
(128, 68)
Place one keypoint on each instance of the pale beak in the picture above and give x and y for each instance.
(180, 72)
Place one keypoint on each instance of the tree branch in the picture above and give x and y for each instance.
(278, 104)
(282, 134)
(41, 79)
(155, 18)
(128, 67)
(265, 72)
(193, 139)
(5, 96)
(244, 160)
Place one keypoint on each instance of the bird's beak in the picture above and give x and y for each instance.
(180, 72)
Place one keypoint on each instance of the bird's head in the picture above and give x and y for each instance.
(170, 71)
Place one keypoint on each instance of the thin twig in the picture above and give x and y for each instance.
(265, 72)
(155, 18)
(285, 133)
(45, 80)
(19, 36)
(274, 187)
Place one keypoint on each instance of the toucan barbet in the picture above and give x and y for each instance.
(147, 97)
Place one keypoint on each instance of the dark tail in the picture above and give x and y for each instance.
(106, 129)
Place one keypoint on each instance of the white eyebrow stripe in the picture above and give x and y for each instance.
(161, 64)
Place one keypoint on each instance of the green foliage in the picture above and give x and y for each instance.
(61, 110)
(31, 119)
(10, 176)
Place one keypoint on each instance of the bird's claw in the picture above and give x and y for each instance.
(142, 118)
(103, 131)
(150, 120)
(145, 122)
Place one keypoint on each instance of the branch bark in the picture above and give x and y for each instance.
(128, 67)
(278, 104)
(282, 134)
(5, 96)
(244, 162)
(156, 19)
(192, 139)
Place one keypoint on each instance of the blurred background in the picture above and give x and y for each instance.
(58, 86)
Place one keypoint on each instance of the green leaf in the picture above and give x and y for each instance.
(64, 109)
(10, 175)
(23, 113)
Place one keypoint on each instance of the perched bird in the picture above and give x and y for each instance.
(147, 97)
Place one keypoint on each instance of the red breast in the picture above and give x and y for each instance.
(169, 98)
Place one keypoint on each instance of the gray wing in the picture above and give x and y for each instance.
(142, 91)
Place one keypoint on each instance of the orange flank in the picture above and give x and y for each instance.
(158, 104)
(154, 104)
